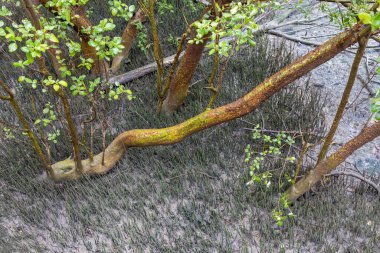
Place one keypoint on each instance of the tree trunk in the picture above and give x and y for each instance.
(80, 21)
(34, 16)
(129, 36)
(326, 166)
(151, 137)
(179, 86)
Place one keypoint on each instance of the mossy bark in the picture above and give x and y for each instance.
(166, 136)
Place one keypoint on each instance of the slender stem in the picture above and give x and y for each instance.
(175, 61)
(156, 49)
(214, 68)
(43, 136)
(72, 131)
(5, 97)
(28, 130)
(219, 84)
(93, 117)
(346, 94)
(305, 146)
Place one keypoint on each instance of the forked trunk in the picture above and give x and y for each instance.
(327, 165)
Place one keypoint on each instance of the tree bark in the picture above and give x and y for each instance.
(80, 21)
(179, 86)
(129, 36)
(151, 137)
(346, 95)
(326, 166)
(30, 6)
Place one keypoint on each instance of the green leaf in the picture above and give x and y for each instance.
(109, 26)
(365, 18)
(53, 38)
(12, 47)
(63, 83)
(56, 87)
(376, 21)
(251, 43)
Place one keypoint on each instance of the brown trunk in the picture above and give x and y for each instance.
(326, 166)
(73, 132)
(80, 21)
(34, 16)
(165, 136)
(179, 86)
(129, 36)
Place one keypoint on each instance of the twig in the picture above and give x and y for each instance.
(295, 39)
(356, 175)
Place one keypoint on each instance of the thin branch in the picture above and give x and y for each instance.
(292, 38)
(358, 176)
(19, 114)
(156, 48)
(72, 130)
(346, 94)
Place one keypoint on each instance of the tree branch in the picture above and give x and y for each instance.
(346, 95)
(356, 175)
(129, 35)
(326, 166)
(151, 137)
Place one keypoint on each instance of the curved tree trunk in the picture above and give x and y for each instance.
(165, 136)
(129, 36)
(326, 166)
